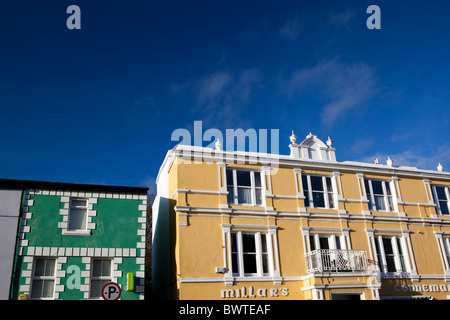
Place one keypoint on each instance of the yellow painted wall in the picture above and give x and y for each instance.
(199, 244)
(283, 182)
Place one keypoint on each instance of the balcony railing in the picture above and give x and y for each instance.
(336, 260)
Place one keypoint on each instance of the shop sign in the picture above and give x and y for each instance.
(422, 288)
(251, 292)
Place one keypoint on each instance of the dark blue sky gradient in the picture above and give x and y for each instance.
(99, 105)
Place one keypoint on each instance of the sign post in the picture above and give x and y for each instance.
(111, 291)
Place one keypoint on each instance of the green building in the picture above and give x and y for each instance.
(75, 238)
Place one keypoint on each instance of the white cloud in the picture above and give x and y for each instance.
(291, 29)
(212, 86)
(346, 86)
(342, 18)
(219, 97)
(417, 158)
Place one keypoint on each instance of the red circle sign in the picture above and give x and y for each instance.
(111, 291)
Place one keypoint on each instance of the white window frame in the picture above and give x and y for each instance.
(436, 200)
(387, 199)
(329, 196)
(43, 278)
(443, 240)
(400, 254)
(259, 254)
(93, 278)
(335, 241)
(78, 207)
(446, 241)
(253, 187)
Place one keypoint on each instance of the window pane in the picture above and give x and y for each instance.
(44, 267)
(258, 196)
(391, 205)
(36, 290)
(47, 289)
(444, 207)
(229, 177)
(324, 244)
(366, 185)
(42, 289)
(79, 203)
(388, 189)
(234, 255)
(305, 184)
(96, 288)
(248, 243)
(250, 263)
(390, 263)
(329, 185)
(318, 200)
(101, 267)
(379, 203)
(330, 200)
(245, 195)
(230, 196)
(387, 244)
(441, 193)
(243, 178)
(380, 261)
(39, 269)
(316, 183)
(265, 262)
(389, 254)
(312, 243)
(234, 262)
(263, 243)
(106, 268)
(49, 267)
(376, 187)
(257, 179)
(97, 268)
(77, 219)
(399, 246)
(233, 242)
(401, 257)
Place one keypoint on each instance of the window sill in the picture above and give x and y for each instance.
(396, 275)
(440, 216)
(388, 213)
(244, 206)
(276, 280)
(76, 232)
(321, 210)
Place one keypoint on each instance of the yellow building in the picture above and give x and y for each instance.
(243, 225)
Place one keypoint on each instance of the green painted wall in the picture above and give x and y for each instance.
(116, 224)
(116, 227)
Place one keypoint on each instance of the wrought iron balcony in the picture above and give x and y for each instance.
(336, 260)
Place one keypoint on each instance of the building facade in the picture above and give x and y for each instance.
(10, 202)
(72, 239)
(243, 225)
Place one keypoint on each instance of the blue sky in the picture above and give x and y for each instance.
(99, 105)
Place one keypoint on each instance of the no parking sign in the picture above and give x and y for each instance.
(111, 291)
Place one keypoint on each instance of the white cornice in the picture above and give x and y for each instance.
(275, 160)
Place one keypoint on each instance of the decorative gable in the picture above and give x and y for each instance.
(312, 148)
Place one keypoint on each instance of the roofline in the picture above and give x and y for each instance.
(48, 185)
(213, 155)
